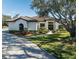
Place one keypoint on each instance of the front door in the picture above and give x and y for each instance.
(21, 27)
(50, 25)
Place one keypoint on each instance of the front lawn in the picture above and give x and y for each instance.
(51, 37)
(60, 50)
(54, 44)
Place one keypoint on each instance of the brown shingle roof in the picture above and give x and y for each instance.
(35, 18)
(26, 18)
(38, 18)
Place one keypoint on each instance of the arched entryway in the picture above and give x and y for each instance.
(21, 27)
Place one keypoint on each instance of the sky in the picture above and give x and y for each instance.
(13, 7)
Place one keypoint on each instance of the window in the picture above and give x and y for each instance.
(50, 25)
(42, 25)
(61, 27)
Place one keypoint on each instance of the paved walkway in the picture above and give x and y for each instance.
(14, 47)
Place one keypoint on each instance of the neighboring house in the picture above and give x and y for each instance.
(32, 23)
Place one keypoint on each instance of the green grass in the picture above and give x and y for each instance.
(38, 39)
(61, 35)
(60, 50)
(52, 37)
(53, 46)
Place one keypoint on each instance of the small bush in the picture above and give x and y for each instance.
(43, 30)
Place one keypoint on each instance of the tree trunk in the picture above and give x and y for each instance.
(72, 37)
(72, 31)
(73, 34)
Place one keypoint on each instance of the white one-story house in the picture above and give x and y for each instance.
(32, 23)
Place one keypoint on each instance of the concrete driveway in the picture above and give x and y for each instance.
(14, 47)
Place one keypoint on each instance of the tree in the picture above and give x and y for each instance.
(17, 15)
(4, 19)
(64, 12)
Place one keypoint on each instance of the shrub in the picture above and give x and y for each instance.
(4, 24)
(42, 30)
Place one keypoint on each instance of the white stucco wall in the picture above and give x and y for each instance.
(32, 25)
(15, 25)
(11, 26)
(56, 25)
(46, 24)
(40, 23)
(29, 25)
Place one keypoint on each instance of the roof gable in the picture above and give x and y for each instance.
(23, 18)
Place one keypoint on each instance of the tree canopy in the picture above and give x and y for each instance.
(4, 19)
(64, 12)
